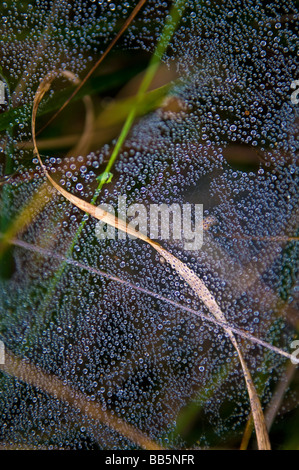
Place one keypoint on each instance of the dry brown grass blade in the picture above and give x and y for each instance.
(50, 384)
(184, 271)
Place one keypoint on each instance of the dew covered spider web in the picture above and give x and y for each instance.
(109, 319)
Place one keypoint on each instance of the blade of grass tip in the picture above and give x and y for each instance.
(7, 190)
(96, 65)
(205, 295)
(117, 111)
(184, 271)
(30, 374)
(47, 83)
